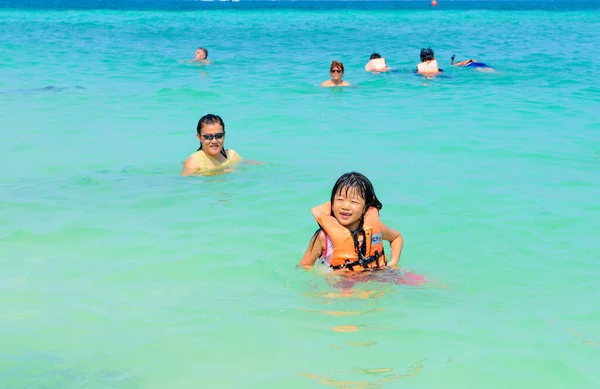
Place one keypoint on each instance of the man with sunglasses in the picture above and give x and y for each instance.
(337, 73)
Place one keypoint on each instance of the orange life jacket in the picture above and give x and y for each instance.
(428, 67)
(346, 255)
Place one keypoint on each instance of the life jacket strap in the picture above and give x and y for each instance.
(364, 261)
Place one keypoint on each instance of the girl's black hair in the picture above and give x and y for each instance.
(207, 120)
(363, 187)
(426, 54)
(375, 56)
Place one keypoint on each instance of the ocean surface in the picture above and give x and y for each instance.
(116, 272)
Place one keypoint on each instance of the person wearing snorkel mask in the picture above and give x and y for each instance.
(471, 63)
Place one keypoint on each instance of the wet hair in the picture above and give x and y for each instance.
(207, 120)
(364, 188)
(336, 64)
(359, 183)
(205, 51)
(375, 56)
(426, 54)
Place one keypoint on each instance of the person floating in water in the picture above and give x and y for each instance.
(376, 64)
(212, 157)
(201, 56)
(470, 63)
(350, 235)
(428, 65)
(337, 73)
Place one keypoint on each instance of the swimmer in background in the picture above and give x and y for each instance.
(337, 73)
(471, 63)
(212, 157)
(376, 64)
(428, 65)
(201, 56)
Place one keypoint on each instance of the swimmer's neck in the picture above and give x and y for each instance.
(340, 82)
(219, 157)
(354, 226)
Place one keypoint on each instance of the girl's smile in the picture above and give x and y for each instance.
(348, 208)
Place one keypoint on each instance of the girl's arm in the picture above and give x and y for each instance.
(314, 250)
(396, 243)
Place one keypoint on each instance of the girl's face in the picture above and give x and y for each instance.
(348, 208)
(212, 138)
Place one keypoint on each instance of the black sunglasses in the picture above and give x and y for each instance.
(219, 135)
(336, 70)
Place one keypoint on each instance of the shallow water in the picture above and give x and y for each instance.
(117, 272)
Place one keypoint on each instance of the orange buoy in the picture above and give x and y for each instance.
(434, 3)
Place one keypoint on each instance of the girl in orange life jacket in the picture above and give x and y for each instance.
(350, 235)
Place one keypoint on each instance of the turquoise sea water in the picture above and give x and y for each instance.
(115, 272)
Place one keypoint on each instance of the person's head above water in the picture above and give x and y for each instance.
(211, 157)
(351, 196)
(201, 54)
(211, 134)
(376, 64)
(337, 71)
(350, 235)
(427, 55)
(335, 65)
